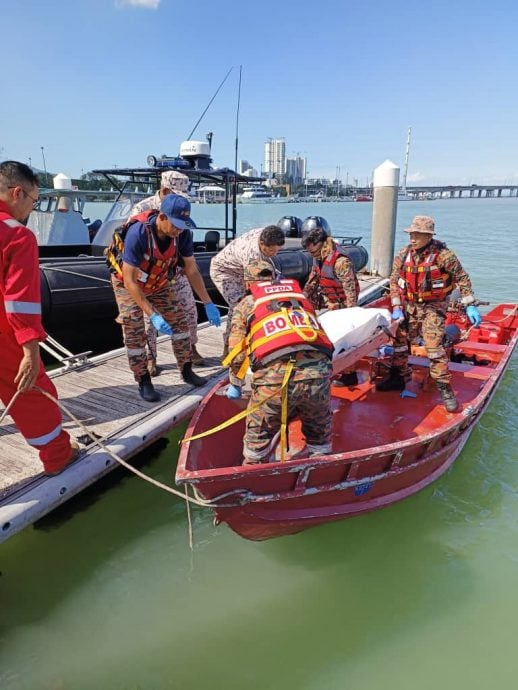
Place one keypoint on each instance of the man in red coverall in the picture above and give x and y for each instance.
(36, 416)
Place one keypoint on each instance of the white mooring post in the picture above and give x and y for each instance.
(384, 213)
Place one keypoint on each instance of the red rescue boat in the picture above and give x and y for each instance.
(386, 447)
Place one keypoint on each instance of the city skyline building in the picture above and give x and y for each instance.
(275, 157)
(247, 169)
(296, 170)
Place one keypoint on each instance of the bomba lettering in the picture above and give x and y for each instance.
(298, 319)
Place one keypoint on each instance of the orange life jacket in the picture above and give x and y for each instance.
(283, 319)
(330, 286)
(155, 267)
(424, 282)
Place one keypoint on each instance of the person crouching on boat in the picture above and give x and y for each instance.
(141, 262)
(174, 182)
(37, 417)
(332, 282)
(275, 329)
(228, 266)
(424, 274)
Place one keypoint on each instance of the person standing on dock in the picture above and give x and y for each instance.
(172, 182)
(276, 327)
(228, 266)
(332, 282)
(142, 257)
(424, 274)
(37, 417)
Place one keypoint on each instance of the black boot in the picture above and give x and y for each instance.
(189, 376)
(196, 357)
(147, 390)
(349, 378)
(449, 400)
(393, 382)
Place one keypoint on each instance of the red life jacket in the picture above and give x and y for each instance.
(283, 319)
(155, 267)
(424, 282)
(330, 286)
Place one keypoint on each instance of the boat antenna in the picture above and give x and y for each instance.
(407, 153)
(208, 105)
(237, 116)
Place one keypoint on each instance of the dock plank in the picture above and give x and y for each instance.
(104, 396)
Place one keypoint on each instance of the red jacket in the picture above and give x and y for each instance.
(20, 301)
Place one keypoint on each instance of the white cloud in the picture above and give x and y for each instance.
(148, 4)
(416, 177)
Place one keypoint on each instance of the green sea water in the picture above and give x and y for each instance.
(106, 594)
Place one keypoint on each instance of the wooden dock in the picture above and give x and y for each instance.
(103, 395)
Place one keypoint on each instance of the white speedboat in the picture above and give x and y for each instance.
(256, 194)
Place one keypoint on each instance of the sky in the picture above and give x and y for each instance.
(101, 83)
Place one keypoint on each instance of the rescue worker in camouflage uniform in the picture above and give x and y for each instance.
(172, 182)
(332, 282)
(424, 274)
(276, 327)
(141, 285)
(228, 266)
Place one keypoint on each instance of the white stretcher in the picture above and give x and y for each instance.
(356, 332)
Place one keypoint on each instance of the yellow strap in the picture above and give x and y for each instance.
(234, 352)
(268, 338)
(284, 409)
(114, 263)
(245, 413)
(308, 339)
(237, 349)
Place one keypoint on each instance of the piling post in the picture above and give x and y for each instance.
(384, 213)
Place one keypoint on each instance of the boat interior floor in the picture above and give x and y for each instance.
(364, 417)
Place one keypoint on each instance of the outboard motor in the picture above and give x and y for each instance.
(290, 225)
(313, 222)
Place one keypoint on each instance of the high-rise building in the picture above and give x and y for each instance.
(296, 170)
(275, 157)
(245, 168)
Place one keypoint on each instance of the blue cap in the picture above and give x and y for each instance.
(177, 209)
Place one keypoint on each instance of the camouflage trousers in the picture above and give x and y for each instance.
(308, 400)
(185, 298)
(133, 327)
(232, 290)
(424, 321)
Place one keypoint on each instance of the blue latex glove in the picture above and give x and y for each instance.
(397, 313)
(474, 315)
(213, 315)
(233, 392)
(160, 324)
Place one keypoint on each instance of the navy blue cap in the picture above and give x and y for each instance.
(178, 210)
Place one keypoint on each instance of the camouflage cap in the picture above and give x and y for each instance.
(177, 181)
(422, 224)
(258, 270)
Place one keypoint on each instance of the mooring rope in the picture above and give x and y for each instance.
(100, 442)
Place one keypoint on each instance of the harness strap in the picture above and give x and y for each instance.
(245, 413)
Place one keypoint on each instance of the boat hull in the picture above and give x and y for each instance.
(385, 447)
(260, 521)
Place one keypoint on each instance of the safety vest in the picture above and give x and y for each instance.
(283, 319)
(330, 286)
(424, 282)
(155, 267)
